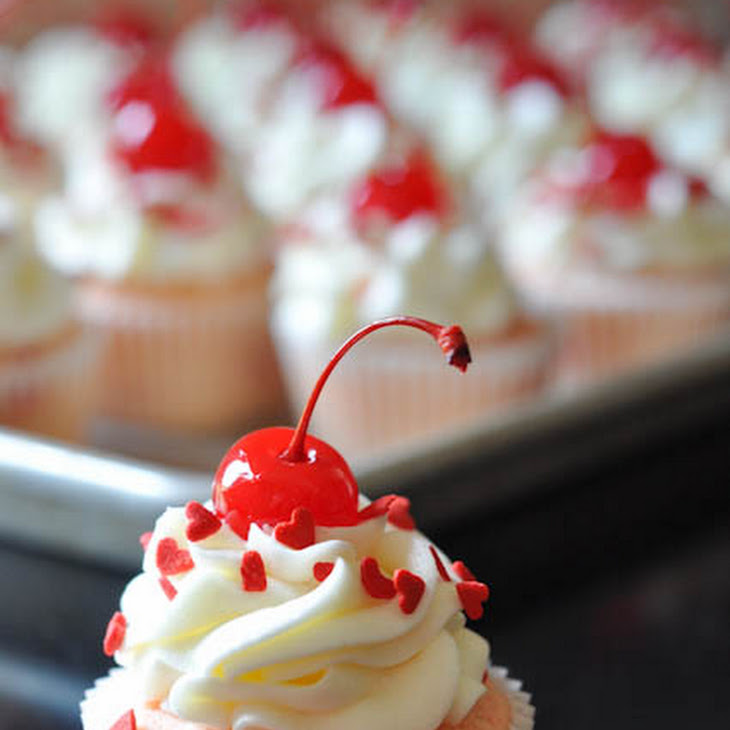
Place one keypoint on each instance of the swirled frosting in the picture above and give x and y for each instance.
(306, 652)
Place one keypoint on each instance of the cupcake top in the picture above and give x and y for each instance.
(313, 627)
(613, 206)
(145, 198)
(392, 245)
(35, 302)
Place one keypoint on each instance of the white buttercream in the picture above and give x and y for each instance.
(35, 302)
(300, 655)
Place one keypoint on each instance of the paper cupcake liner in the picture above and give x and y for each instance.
(392, 394)
(53, 389)
(188, 360)
(113, 695)
(611, 323)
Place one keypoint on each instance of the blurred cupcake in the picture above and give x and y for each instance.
(170, 262)
(48, 364)
(649, 73)
(305, 123)
(395, 246)
(633, 256)
(488, 104)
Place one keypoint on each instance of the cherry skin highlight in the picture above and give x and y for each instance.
(264, 488)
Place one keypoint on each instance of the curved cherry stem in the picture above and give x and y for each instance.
(450, 339)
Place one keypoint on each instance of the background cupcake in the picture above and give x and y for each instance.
(632, 256)
(171, 263)
(395, 245)
(48, 364)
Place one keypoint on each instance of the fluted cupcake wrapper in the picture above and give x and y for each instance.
(522, 710)
(53, 389)
(185, 361)
(391, 393)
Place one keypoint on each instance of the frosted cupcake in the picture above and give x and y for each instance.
(289, 601)
(392, 245)
(170, 263)
(633, 256)
(48, 365)
(488, 104)
(652, 75)
(305, 122)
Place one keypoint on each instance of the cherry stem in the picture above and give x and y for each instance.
(451, 340)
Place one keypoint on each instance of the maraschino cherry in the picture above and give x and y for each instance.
(400, 191)
(268, 474)
(153, 129)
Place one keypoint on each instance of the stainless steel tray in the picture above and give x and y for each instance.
(94, 504)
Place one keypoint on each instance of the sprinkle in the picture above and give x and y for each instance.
(462, 571)
(201, 522)
(169, 590)
(172, 560)
(375, 583)
(115, 631)
(144, 540)
(410, 589)
(378, 508)
(322, 570)
(253, 571)
(127, 721)
(238, 523)
(399, 513)
(439, 565)
(472, 595)
(298, 533)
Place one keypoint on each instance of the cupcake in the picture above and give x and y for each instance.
(170, 264)
(394, 243)
(48, 364)
(289, 601)
(486, 101)
(633, 256)
(651, 74)
(306, 122)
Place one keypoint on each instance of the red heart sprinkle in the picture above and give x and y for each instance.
(462, 571)
(439, 565)
(127, 721)
(410, 589)
(144, 540)
(322, 570)
(171, 559)
(253, 572)
(378, 508)
(201, 522)
(298, 533)
(472, 595)
(115, 631)
(375, 583)
(399, 513)
(169, 590)
(238, 524)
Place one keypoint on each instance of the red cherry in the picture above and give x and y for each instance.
(399, 192)
(620, 170)
(153, 128)
(522, 64)
(268, 474)
(340, 83)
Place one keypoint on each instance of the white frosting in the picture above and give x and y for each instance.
(305, 150)
(35, 302)
(300, 655)
(62, 78)
(228, 73)
(330, 280)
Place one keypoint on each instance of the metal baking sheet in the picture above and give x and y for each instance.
(94, 504)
